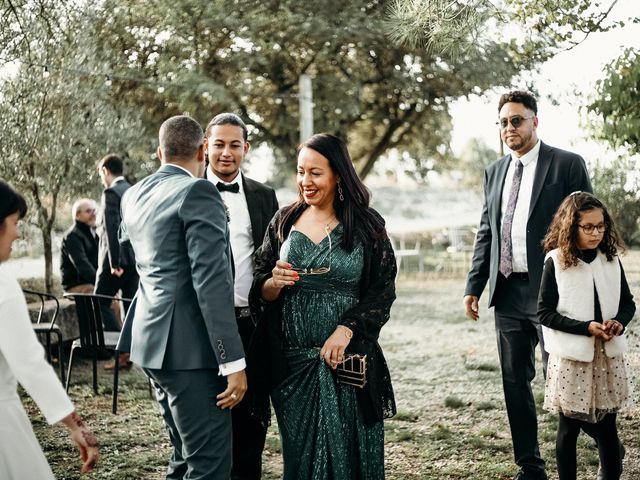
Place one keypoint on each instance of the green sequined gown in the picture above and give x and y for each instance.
(322, 430)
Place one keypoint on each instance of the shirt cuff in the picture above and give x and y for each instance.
(228, 368)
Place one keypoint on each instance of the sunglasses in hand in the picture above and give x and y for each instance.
(317, 270)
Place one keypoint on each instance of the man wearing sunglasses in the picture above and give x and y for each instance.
(522, 192)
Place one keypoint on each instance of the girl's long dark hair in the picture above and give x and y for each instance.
(563, 231)
(353, 212)
(10, 202)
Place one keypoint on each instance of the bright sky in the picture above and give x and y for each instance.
(574, 70)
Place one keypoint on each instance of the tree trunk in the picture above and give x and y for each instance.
(48, 258)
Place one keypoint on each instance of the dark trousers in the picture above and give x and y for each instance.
(609, 448)
(248, 433)
(518, 332)
(200, 432)
(108, 284)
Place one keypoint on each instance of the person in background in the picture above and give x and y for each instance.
(79, 249)
(325, 276)
(584, 306)
(522, 192)
(251, 206)
(116, 263)
(22, 360)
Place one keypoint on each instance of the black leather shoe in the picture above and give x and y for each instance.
(601, 472)
(522, 475)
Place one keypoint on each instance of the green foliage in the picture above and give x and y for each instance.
(455, 26)
(474, 158)
(617, 103)
(618, 187)
(562, 24)
(57, 116)
(169, 57)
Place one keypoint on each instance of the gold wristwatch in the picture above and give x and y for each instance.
(347, 331)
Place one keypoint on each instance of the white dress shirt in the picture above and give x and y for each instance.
(521, 214)
(241, 237)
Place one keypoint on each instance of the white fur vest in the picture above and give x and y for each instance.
(576, 299)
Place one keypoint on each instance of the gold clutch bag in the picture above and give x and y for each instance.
(353, 371)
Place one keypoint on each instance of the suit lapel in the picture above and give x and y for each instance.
(253, 205)
(497, 195)
(542, 167)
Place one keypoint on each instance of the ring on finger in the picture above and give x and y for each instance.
(234, 396)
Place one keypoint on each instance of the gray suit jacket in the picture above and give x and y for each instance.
(558, 173)
(182, 316)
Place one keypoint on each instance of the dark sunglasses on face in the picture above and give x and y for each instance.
(515, 121)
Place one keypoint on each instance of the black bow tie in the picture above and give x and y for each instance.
(223, 187)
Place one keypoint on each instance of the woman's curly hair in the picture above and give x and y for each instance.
(563, 231)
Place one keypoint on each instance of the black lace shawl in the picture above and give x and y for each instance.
(267, 364)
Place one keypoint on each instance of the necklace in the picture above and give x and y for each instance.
(327, 221)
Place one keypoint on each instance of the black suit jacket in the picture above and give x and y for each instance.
(262, 205)
(112, 254)
(78, 256)
(558, 173)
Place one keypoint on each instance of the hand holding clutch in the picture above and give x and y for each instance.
(353, 371)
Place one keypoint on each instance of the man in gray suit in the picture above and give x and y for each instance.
(522, 193)
(181, 327)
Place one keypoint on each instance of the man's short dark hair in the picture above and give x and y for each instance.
(113, 163)
(180, 137)
(227, 119)
(518, 96)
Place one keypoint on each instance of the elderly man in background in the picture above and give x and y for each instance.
(79, 250)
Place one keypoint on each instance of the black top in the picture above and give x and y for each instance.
(78, 256)
(548, 301)
(266, 365)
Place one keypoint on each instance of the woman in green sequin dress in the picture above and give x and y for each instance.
(325, 283)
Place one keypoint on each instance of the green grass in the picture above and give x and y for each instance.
(451, 422)
(453, 402)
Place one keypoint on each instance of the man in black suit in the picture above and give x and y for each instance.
(79, 249)
(116, 262)
(251, 205)
(522, 192)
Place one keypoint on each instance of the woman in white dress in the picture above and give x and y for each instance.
(22, 360)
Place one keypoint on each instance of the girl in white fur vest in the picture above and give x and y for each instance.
(584, 306)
